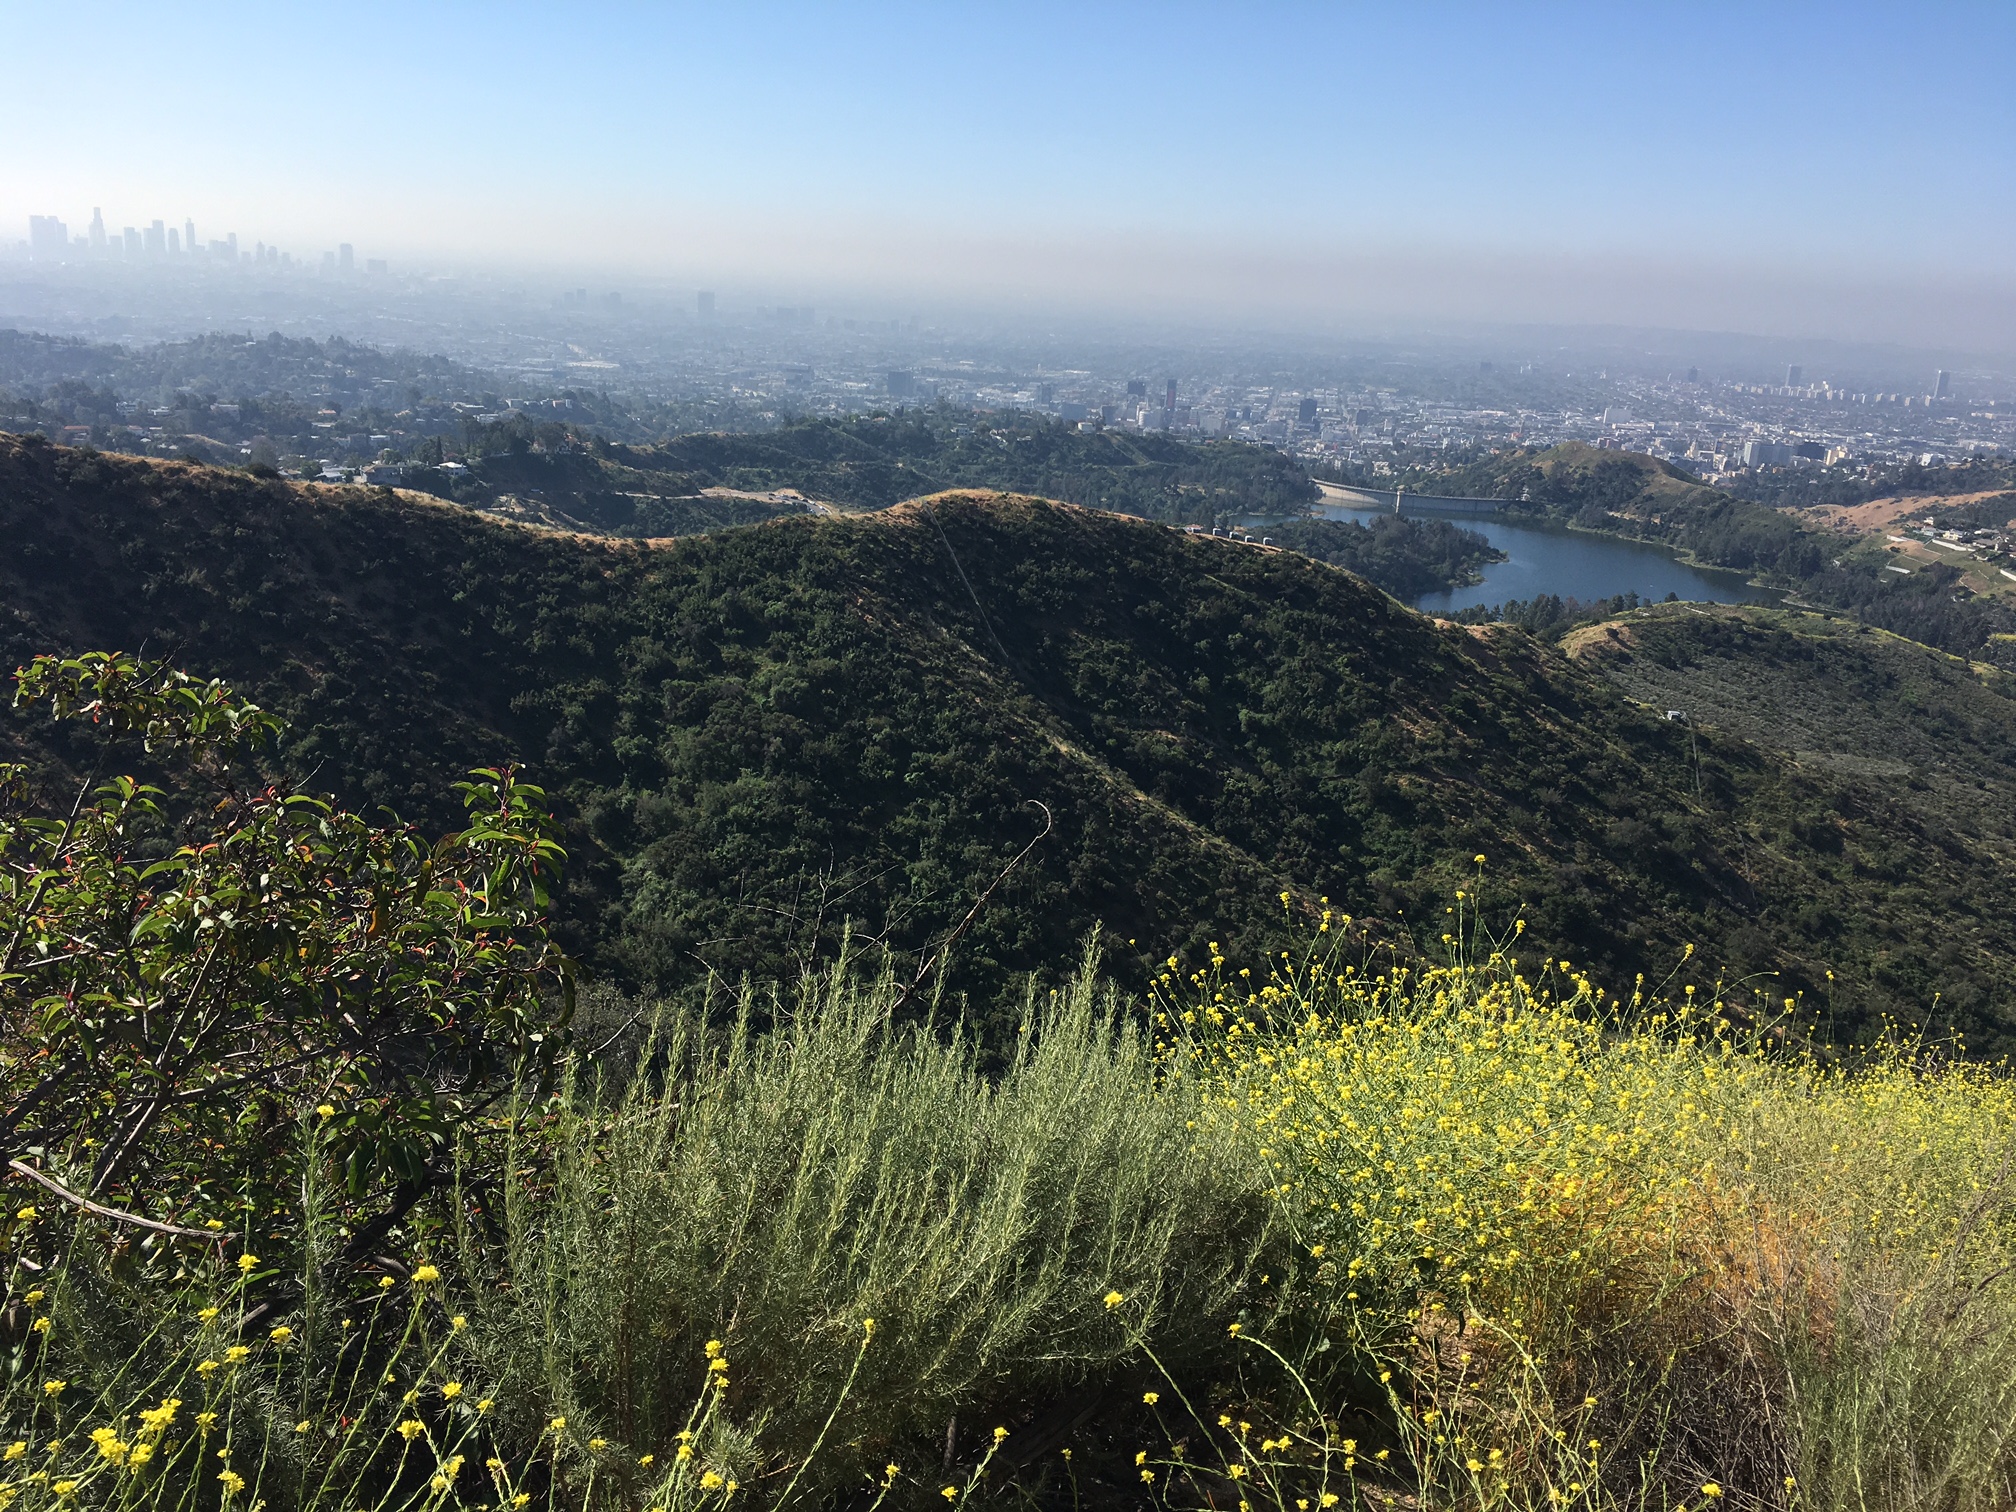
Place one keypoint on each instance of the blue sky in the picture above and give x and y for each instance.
(1184, 152)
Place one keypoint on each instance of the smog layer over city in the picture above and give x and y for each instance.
(1368, 243)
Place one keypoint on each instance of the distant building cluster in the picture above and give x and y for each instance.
(50, 240)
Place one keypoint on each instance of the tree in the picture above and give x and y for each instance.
(183, 967)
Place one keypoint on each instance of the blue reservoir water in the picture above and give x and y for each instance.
(1573, 563)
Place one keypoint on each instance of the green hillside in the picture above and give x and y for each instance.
(761, 735)
(871, 461)
(1405, 557)
(1898, 724)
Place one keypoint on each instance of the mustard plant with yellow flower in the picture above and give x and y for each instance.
(1554, 1221)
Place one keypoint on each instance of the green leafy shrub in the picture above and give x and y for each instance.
(170, 997)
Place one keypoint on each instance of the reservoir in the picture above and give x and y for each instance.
(1542, 558)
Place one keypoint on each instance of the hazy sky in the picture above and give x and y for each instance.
(1844, 169)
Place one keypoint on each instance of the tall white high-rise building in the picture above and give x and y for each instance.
(47, 236)
(97, 229)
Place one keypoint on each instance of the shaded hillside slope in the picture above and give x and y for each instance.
(1897, 723)
(760, 734)
(872, 461)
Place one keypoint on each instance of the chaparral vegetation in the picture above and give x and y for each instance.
(331, 1185)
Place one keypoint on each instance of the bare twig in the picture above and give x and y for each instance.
(621, 1030)
(924, 968)
(97, 1209)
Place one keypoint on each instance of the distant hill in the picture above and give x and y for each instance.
(758, 735)
(873, 461)
(227, 366)
(1408, 558)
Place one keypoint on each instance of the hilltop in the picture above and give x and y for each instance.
(758, 735)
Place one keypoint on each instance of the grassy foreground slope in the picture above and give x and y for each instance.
(760, 735)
